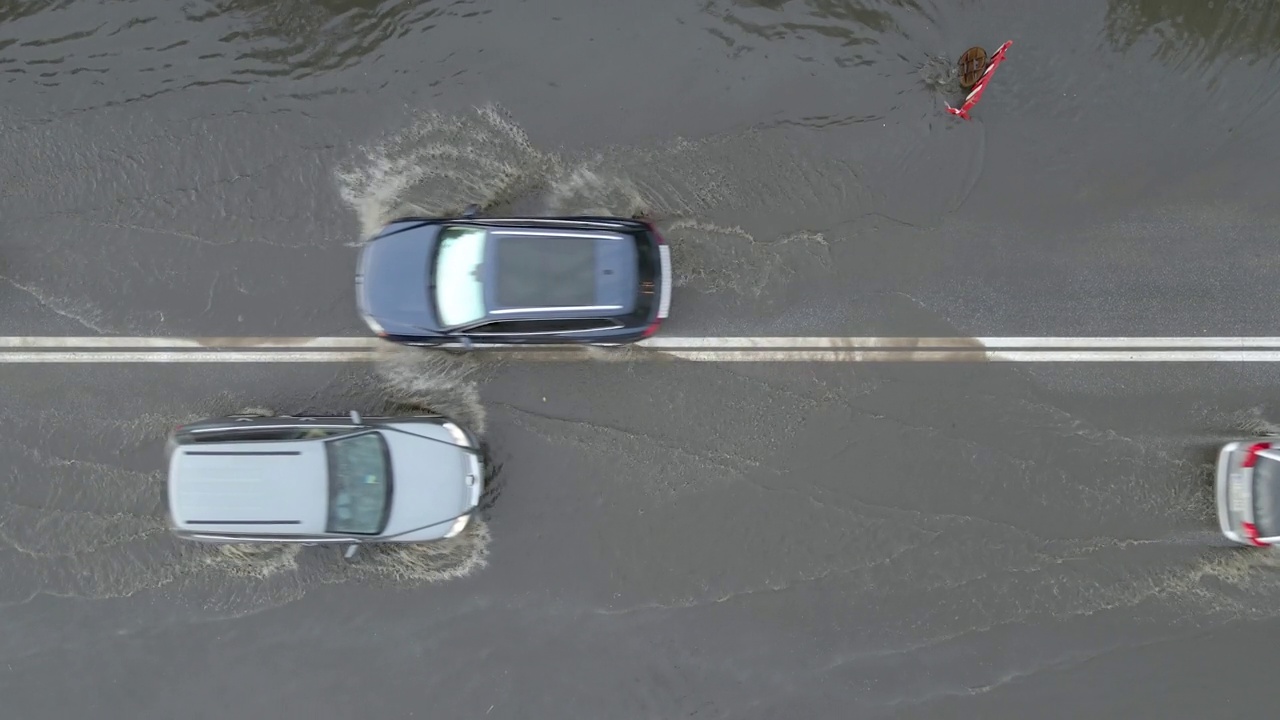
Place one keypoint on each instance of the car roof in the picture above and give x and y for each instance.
(522, 284)
(559, 271)
(250, 487)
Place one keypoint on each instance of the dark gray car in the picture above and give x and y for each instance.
(1248, 491)
(322, 480)
(505, 281)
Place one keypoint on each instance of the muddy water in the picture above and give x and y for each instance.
(85, 519)
(803, 164)
(880, 540)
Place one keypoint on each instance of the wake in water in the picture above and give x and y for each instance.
(411, 565)
(940, 74)
(442, 163)
(420, 380)
(96, 530)
(1251, 423)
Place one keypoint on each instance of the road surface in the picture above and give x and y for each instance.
(669, 536)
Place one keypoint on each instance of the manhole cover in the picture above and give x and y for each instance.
(971, 65)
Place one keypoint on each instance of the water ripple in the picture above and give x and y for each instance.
(1196, 34)
(163, 47)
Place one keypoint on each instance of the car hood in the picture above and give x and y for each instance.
(392, 283)
(430, 486)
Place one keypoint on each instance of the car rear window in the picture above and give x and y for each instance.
(648, 272)
(538, 271)
(459, 287)
(1266, 497)
(359, 484)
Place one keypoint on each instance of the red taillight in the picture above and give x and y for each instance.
(1251, 457)
(657, 235)
(1251, 532)
(649, 331)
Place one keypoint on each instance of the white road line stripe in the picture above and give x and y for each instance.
(665, 343)
(974, 343)
(192, 356)
(714, 356)
(977, 356)
(95, 342)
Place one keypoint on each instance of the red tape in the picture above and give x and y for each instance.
(976, 93)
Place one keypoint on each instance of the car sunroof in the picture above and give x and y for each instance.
(544, 271)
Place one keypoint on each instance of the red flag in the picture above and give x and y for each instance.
(976, 93)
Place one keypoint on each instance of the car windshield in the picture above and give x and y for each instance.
(459, 291)
(1266, 496)
(359, 484)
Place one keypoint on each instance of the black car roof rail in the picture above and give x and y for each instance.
(241, 452)
(243, 522)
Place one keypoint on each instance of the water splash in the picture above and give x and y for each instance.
(411, 565)
(442, 163)
(940, 74)
(716, 258)
(436, 381)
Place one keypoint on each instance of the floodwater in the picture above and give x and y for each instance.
(664, 539)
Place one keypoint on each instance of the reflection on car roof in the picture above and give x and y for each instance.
(259, 487)
(537, 270)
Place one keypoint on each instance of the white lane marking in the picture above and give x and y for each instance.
(668, 343)
(248, 343)
(975, 356)
(974, 343)
(192, 356)
(878, 350)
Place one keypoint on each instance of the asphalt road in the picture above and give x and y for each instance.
(665, 539)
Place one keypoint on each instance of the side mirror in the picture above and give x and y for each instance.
(471, 211)
(355, 417)
(351, 551)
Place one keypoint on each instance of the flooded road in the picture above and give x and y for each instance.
(745, 541)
